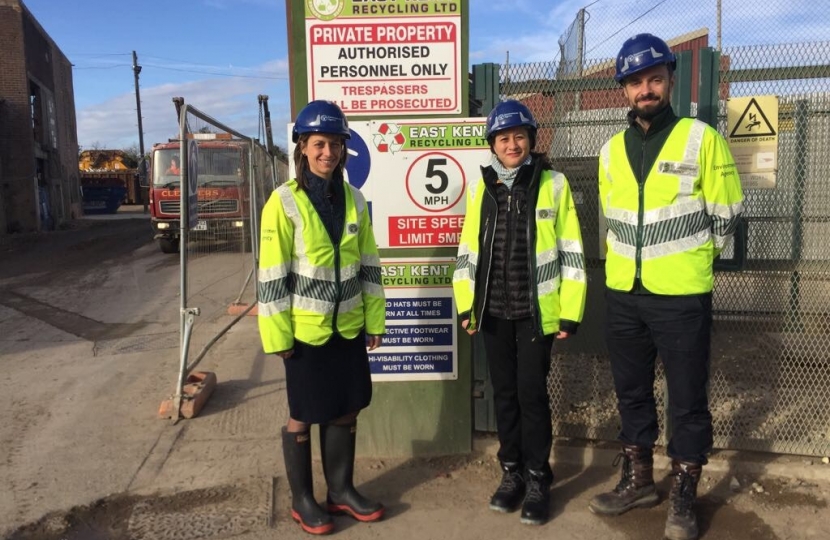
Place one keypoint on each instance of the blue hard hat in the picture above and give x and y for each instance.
(642, 52)
(320, 117)
(509, 114)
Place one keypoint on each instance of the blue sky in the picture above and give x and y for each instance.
(220, 54)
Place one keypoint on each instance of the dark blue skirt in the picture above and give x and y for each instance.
(328, 381)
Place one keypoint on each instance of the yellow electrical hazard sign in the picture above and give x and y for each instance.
(752, 124)
(758, 117)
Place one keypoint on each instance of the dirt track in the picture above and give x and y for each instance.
(88, 349)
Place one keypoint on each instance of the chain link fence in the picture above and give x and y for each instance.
(770, 376)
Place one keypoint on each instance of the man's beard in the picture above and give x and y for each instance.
(648, 112)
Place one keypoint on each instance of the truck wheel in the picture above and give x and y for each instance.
(169, 245)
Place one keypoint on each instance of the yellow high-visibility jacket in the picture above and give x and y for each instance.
(309, 288)
(557, 261)
(668, 230)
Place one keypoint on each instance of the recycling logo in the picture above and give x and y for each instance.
(389, 138)
(325, 10)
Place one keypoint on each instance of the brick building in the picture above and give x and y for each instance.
(39, 179)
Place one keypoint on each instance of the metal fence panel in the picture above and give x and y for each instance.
(235, 176)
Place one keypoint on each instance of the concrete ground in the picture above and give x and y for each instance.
(89, 349)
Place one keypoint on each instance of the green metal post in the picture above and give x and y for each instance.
(681, 97)
(708, 82)
(486, 83)
(800, 179)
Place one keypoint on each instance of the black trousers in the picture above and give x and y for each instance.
(638, 327)
(519, 362)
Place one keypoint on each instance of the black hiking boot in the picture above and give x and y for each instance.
(636, 485)
(682, 521)
(511, 491)
(536, 506)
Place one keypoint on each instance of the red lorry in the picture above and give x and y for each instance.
(223, 187)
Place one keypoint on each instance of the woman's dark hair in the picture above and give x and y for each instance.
(546, 164)
(301, 161)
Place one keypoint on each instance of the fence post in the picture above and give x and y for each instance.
(486, 86)
(799, 180)
(708, 82)
(681, 97)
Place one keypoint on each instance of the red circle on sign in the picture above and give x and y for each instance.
(435, 157)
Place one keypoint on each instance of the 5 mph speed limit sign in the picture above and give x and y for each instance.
(435, 182)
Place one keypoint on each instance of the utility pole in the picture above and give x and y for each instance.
(719, 8)
(142, 164)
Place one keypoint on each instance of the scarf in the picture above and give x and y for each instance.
(507, 176)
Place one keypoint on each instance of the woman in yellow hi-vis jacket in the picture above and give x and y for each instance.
(321, 305)
(520, 281)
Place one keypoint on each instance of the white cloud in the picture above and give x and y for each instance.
(232, 101)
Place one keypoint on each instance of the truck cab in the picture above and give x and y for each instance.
(223, 193)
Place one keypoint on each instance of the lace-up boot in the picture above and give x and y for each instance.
(511, 491)
(682, 521)
(536, 506)
(636, 485)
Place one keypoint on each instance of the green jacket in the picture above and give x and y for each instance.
(310, 288)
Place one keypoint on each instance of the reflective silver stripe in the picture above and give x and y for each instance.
(312, 304)
(547, 256)
(474, 189)
(688, 206)
(550, 286)
(676, 246)
(269, 309)
(370, 259)
(605, 158)
(725, 211)
(359, 200)
(372, 289)
(721, 241)
(605, 154)
(695, 141)
(618, 214)
(271, 273)
(574, 246)
(573, 274)
(303, 267)
(465, 266)
(693, 144)
(618, 248)
(293, 213)
(558, 187)
(349, 271)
